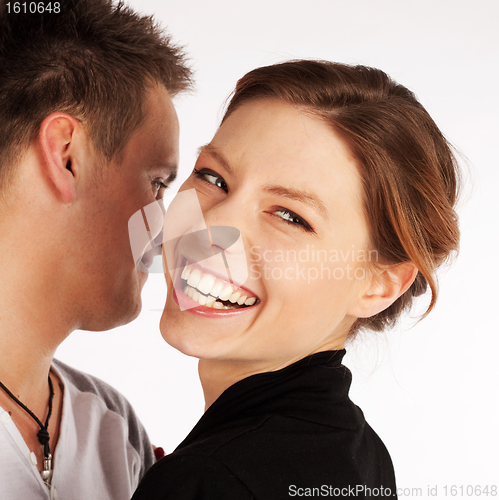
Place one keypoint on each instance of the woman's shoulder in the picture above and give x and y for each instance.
(189, 476)
(270, 458)
(282, 450)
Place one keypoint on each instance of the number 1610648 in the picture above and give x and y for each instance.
(33, 7)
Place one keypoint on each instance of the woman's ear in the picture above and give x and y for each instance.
(57, 136)
(386, 286)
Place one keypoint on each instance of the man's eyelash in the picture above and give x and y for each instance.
(160, 184)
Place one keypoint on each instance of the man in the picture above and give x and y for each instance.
(88, 136)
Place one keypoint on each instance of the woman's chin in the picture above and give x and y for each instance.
(201, 331)
(193, 335)
(192, 344)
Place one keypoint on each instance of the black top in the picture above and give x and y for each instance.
(272, 435)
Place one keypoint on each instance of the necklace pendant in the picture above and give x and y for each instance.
(47, 470)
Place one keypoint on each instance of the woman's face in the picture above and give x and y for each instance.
(288, 182)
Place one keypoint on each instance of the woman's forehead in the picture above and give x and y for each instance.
(273, 143)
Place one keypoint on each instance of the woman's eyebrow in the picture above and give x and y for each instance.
(294, 194)
(215, 153)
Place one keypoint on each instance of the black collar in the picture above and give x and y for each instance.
(314, 388)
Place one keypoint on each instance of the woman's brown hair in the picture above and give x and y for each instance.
(409, 172)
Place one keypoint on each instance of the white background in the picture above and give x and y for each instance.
(430, 391)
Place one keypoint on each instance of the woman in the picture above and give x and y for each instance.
(343, 190)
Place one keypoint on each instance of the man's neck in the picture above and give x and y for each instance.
(24, 370)
(35, 317)
(32, 325)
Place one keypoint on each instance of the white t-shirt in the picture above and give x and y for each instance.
(102, 452)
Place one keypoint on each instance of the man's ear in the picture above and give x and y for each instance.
(386, 286)
(57, 136)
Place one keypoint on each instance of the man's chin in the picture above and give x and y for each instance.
(111, 314)
(116, 306)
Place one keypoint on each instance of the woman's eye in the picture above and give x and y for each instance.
(291, 218)
(211, 178)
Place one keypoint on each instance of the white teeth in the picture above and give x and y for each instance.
(235, 296)
(206, 283)
(186, 272)
(194, 278)
(195, 295)
(226, 292)
(217, 288)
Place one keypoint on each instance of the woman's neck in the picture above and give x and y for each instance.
(218, 375)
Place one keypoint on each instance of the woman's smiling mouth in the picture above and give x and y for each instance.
(213, 292)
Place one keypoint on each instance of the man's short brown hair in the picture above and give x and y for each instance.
(94, 60)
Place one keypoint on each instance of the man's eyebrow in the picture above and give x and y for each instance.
(170, 168)
(295, 194)
(173, 174)
(215, 153)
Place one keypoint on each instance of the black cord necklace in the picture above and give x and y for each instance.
(43, 433)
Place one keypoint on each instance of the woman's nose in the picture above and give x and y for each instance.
(228, 232)
(229, 242)
(230, 212)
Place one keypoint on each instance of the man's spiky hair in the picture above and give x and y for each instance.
(94, 60)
